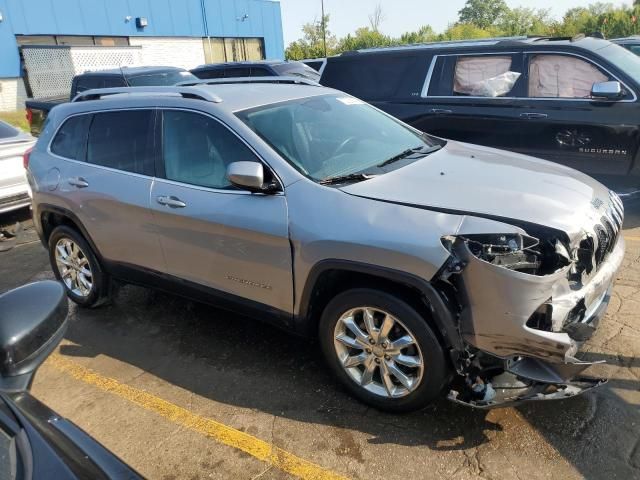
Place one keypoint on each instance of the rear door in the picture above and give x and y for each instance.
(563, 124)
(473, 97)
(106, 174)
(213, 234)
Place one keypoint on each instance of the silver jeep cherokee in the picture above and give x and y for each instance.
(421, 265)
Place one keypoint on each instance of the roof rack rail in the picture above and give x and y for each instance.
(184, 91)
(275, 79)
(441, 43)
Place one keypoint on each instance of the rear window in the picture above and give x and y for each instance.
(161, 78)
(209, 73)
(122, 140)
(97, 81)
(376, 76)
(71, 138)
(7, 131)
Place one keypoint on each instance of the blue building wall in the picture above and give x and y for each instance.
(179, 18)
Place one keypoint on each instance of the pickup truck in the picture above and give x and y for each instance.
(38, 109)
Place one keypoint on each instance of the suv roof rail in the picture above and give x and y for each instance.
(274, 79)
(453, 43)
(184, 91)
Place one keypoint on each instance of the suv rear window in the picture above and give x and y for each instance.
(71, 138)
(122, 140)
(376, 76)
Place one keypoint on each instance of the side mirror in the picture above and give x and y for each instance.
(249, 175)
(606, 91)
(33, 320)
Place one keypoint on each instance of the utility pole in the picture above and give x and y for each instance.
(324, 30)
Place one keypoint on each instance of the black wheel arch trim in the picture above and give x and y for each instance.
(48, 208)
(443, 316)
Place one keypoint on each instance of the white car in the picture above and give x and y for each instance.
(14, 189)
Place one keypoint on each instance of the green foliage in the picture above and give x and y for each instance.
(311, 45)
(482, 13)
(478, 19)
(16, 118)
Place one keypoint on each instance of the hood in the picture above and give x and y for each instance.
(471, 179)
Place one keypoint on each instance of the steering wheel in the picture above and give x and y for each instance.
(344, 145)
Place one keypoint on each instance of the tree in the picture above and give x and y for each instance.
(376, 18)
(311, 44)
(364, 38)
(423, 35)
(524, 21)
(482, 13)
(463, 31)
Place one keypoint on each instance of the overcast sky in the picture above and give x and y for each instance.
(400, 15)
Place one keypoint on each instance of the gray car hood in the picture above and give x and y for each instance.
(479, 180)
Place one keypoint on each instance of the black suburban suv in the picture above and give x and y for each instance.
(572, 101)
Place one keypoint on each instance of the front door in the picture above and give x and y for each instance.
(562, 123)
(212, 233)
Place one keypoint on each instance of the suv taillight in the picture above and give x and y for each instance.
(29, 116)
(25, 158)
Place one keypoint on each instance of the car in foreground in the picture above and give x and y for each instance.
(35, 442)
(38, 109)
(14, 189)
(263, 68)
(421, 265)
(571, 101)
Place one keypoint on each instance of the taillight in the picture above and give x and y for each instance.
(29, 116)
(25, 158)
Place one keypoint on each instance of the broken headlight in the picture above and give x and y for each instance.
(509, 250)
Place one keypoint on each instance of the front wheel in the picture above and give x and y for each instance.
(382, 350)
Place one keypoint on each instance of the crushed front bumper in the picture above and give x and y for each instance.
(538, 364)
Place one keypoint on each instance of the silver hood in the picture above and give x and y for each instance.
(479, 180)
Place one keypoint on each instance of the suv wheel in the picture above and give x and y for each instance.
(382, 350)
(75, 265)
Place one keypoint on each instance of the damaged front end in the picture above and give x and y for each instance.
(528, 297)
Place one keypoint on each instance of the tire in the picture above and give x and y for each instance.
(373, 360)
(75, 277)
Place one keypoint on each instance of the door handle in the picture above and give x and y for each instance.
(173, 202)
(533, 116)
(78, 182)
(440, 111)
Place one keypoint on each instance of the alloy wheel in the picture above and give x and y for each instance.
(74, 267)
(378, 352)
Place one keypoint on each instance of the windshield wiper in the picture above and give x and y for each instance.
(352, 177)
(410, 151)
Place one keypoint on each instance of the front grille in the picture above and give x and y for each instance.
(608, 230)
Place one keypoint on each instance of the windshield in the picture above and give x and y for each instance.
(334, 135)
(7, 131)
(161, 78)
(296, 69)
(622, 58)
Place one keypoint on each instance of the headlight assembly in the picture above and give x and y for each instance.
(509, 250)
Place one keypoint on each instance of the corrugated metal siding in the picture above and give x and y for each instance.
(181, 18)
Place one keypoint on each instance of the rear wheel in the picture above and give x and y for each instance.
(75, 265)
(382, 350)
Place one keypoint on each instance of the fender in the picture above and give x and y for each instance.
(63, 212)
(443, 317)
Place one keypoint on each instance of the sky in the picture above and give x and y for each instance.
(400, 15)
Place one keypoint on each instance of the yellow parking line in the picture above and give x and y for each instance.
(255, 447)
(631, 237)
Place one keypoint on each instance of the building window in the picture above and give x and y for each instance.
(232, 49)
(72, 40)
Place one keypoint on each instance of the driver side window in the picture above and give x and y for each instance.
(197, 149)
